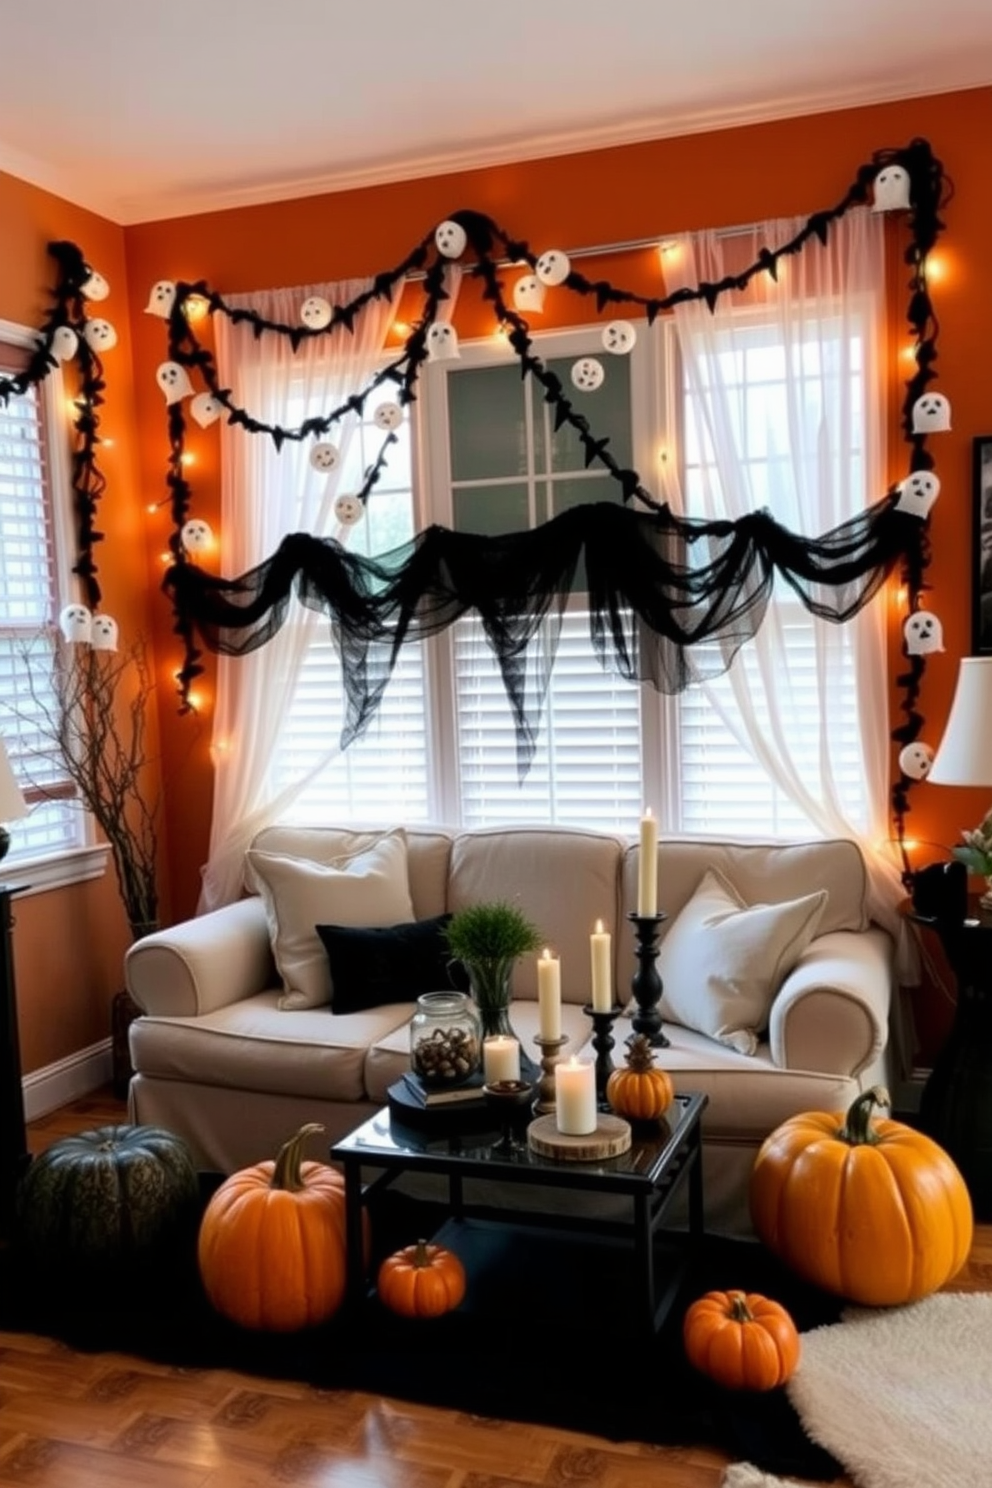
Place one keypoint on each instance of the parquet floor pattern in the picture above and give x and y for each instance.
(70, 1420)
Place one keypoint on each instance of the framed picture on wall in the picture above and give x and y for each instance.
(981, 624)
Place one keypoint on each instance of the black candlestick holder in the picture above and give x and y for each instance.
(646, 984)
(603, 1042)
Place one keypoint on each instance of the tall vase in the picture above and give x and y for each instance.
(489, 985)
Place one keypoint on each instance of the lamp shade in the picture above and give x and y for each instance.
(964, 756)
(12, 803)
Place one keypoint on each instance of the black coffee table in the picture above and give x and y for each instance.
(664, 1160)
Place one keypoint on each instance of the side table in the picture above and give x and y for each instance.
(956, 1104)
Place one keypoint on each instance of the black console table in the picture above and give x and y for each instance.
(14, 1156)
(956, 1104)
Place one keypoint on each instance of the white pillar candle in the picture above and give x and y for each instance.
(602, 972)
(549, 995)
(575, 1097)
(647, 867)
(500, 1058)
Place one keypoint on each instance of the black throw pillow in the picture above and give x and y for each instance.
(393, 963)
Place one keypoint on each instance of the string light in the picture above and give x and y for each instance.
(195, 307)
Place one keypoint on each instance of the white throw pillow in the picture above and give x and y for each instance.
(368, 889)
(722, 961)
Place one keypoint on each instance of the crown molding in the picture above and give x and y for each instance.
(130, 210)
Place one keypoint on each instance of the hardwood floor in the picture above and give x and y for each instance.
(70, 1420)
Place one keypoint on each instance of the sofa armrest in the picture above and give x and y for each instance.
(202, 964)
(831, 1014)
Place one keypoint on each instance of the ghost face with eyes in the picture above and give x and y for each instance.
(917, 493)
(349, 510)
(619, 337)
(442, 342)
(315, 313)
(99, 335)
(891, 189)
(587, 374)
(197, 536)
(924, 634)
(105, 632)
(931, 414)
(528, 293)
(451, 239)
(64, 344)
(76, 624)
(388, 416)
(94, 286)
(206, 409)
(324, 457)
(915, 761)
(174, 381)
(161, 299)
(553, 267)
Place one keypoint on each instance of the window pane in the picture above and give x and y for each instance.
(491, 510)
(488, 422)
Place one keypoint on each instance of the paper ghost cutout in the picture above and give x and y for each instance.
(197, 536)
(174, 381)
(553, 267)
(315, 312)
(324, 456)
(891, 189)
(76, 623)
(924, 634)
(918, 492)
(99, 335)
(915, 761)
(442, 342)
(349, 510)
(105, 633)
(161, 299)
(619, 337)
(528, 293)
(388, 416)
(931, 414)
(94, 286)
(206, 409)
(587, 374)
(65, 343)
(451, 239)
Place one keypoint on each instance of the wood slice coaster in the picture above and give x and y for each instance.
(611, 1137)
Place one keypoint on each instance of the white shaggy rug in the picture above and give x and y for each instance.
(901, 1396)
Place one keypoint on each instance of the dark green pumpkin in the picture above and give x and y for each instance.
(107, 1195)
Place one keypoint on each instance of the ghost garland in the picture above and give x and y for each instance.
(69, 335)
(680, 580)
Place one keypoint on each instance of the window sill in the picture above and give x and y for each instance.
(40, 875)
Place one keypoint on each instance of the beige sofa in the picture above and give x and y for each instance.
(220, 1062)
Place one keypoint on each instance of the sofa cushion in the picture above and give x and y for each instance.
(370, 888)
(722, 960)
(393, 963)
(428, 851)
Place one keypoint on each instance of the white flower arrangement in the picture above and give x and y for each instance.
(976, 854)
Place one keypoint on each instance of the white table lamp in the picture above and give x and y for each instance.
(964, 755)
(12, 802)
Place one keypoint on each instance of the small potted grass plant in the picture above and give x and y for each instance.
(487, 939)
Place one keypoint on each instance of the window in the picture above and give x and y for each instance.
(484, 457)
(34, 516)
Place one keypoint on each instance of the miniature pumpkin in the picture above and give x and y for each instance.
(868, 1209)
(107, 1195)
(422, 1280)
(642, 1091)
(271, 1247)
(741, 1340)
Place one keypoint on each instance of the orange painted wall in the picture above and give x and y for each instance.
(69, 942)
(608, 196)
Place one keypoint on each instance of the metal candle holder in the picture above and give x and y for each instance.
(545, 1100)
(646, 983)
(603, 1042)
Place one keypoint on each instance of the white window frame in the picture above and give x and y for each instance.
(37, 874)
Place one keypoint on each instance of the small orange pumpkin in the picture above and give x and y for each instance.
(869, 1209)
(741, 1340)
(422, 1280)
(271, 1246)
(642, 1091)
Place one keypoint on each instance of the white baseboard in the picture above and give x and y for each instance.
(67, 1080)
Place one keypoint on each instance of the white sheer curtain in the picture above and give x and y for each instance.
(266, 495)
(794, 421)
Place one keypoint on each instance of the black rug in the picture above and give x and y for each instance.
(554, 1346)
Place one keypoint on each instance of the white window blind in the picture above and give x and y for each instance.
(28, 603)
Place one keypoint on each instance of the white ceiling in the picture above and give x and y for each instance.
(141, 110)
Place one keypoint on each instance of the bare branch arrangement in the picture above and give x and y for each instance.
(96, 714)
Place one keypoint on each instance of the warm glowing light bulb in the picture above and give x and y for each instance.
(401, 327)
(165, 557)
(195, 307)
(195, 701)
(188, 458)
(908, 353)
(107, 443)
(934, 268)
(152, 507)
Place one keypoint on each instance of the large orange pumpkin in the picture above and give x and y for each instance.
(422, 1280)
(742, 1340)
(271, 1246)
(867, 1208)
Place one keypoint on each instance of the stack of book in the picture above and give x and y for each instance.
(444, 1095)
